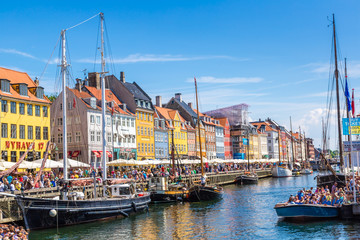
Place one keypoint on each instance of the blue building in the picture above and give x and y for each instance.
(161, 138)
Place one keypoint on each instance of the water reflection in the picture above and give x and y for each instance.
(245, 212)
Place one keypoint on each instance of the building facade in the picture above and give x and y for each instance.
(161, 137)
(224, 122)
(25, 116)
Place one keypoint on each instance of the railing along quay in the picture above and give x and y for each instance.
(10, 211)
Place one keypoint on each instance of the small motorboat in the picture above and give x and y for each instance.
(247, 178)
(306, 171)
(199, 193)
(306, 211)
(163, 192)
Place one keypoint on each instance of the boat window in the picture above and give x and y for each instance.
(124, 191)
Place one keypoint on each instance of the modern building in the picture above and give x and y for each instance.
(219, 138)
(24, 116)
(139, 103)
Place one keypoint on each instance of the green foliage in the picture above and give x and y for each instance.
(52, 97)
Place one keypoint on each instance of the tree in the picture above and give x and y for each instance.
(52, 97)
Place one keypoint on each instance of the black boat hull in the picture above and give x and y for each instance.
(204, 193)
(330, 179)
(246, 180)
(37, 212)
(168, 197)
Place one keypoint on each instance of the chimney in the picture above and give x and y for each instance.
(78, 84)
(122, 77)
(178, 97)
(36, 81)
(190, 105)
(158, 101)
(94, 80)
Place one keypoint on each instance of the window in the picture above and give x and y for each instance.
(93, 103)
(146, 149)
(98, 136)
(138, 129)
(45, 133)
(148, 130)
(13, 133)
(37, 110)
(30, 132)
(22, 108)
(142, 147)
(152, 147)
(92, 119)
(133, 139)
(97, 119)
(45, 111)
(132, 122)
(77, 137)
(128, 122)
(59, 121)
(13, 156)
(22, 131)
(5, 85)
(69, 137)
(141, 130)
(109, 137)
(108, 121)
(13, 107)
(4, 106)
(4, 131)
(60, 138)
(92, 136)
(40, 92)
(123, 121)
(30, 109)
(37, 132)
(23, 89)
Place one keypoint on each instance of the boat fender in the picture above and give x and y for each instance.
(52, 213)
(134, 206)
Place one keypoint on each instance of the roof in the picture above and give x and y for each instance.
(223, 121)
(137, 91)
(258, 125)
(16, 77)
(186, 107)
(164, 112)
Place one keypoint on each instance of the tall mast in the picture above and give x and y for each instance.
(103, 103)
(198, 123)
(301, 148)
(292, 142)
(279, 139)
(338, 98)
(306, 148)
(64, 106)
(173, 151)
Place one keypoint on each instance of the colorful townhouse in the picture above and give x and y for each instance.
(25, 116)
(139, 103)
(224, 122)
(177, 134)
(161, 136)
(188, 114)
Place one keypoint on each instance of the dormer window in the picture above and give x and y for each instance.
(138, 103)
(93, 103)
(23, 89)
(149, 106)
(40, 92)
(5, 85)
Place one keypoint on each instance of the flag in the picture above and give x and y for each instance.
(353, 104)
(74, 103)
(347, 95)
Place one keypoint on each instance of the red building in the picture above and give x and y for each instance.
(224, 122)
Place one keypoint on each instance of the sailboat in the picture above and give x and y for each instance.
(202, 192)
(120, 200)
(332, 177)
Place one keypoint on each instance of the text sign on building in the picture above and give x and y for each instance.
(355, 146)
(355, 126)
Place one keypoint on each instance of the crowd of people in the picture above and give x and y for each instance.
(331, 197)
(12, 232)
(26, 180)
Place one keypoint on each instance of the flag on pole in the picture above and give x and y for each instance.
(347, 95)
(74, 103)
(353, 104)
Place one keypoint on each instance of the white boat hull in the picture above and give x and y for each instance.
(281, 172)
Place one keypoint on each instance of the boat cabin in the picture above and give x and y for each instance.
(158, 184)
(122, 190)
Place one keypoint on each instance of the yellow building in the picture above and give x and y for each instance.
(202, 140)
(25, 116)
(145, 134)
(177, 130)
(254, 147)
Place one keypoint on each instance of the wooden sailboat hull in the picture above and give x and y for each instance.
(168, 196)
(37, 212)
(199, 193)
(245, 179)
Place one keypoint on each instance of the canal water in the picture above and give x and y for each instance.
(245, 212)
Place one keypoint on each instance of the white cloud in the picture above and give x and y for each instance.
(14, 51)
(135, 58)
(209, 79)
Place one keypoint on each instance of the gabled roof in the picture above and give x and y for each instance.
(223, 121)
(163, 112)
(185, 107)
(16, 77)
(137, 91)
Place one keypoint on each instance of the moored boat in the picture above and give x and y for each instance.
(281, 171)
(162, 192)
(247, 179)
(198, 193)
(306, 211)
(306, 171)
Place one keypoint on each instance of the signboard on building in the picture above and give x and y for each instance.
(355, 146)
(355, 126)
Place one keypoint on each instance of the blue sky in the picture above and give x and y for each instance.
(273, 55)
